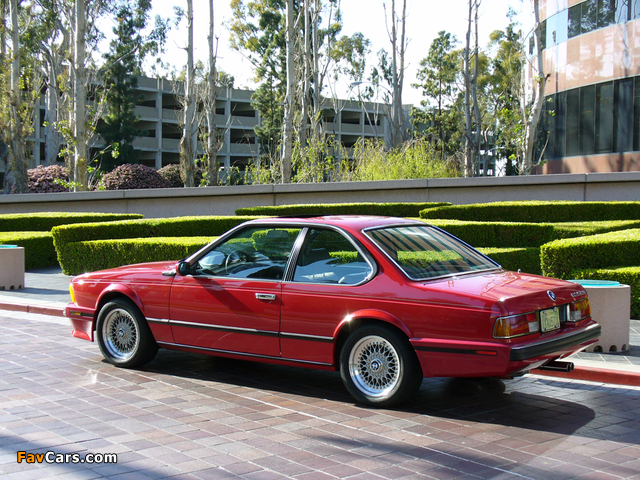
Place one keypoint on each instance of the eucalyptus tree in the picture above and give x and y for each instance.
(318, 54)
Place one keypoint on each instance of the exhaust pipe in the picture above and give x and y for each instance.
(555, 366)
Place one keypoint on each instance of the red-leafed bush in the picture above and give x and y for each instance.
(133, 177)
(42, 179)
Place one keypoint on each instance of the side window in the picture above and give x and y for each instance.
(328, 257)
(254, 252)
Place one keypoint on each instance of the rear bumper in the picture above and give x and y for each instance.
(582, 338)
(82, 321)
(451, 358)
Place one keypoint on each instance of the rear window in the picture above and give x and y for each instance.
(424, 252)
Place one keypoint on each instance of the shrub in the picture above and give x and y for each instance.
(385, 209)
(171, 173)
(133, 177)
(525, 259)
(68, 239)
(38, 247)
(616, 249)
(102, 254)
(42, 179)
(537, 211)
(625, 275)
(45, 221)
(584, 229)
(414, 159)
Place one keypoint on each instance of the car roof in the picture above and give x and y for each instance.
(349, 222)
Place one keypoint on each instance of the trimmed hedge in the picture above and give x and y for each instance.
(383, 209)
(537, 211)
(616, 249)
(38, 247)
(625, 275)
(585, 229)
(525, 259)
(95, 255)
(498, 234)
(66, 235)
(45, 221)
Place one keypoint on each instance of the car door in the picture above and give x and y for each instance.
(231, 301)
(328, 283)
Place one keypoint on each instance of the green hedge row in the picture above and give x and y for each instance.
(89, 256)
(65, 237)
(615, 249)
(498, 234)
(38, 247)
(526, 260)
(537, 211)
(625, 275)
(45, 221)
(383, 209)
(585, 229)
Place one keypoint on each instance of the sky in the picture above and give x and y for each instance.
(425, 18)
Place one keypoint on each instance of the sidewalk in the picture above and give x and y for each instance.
(46, 292)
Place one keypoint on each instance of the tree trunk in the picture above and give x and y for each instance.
(539, 83)
(210, 105)
(468, 137)
(80, 99)
(18, 165)
(476, 105)
(287, 131)
(187, 150)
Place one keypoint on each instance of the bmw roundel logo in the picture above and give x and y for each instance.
(552, 295)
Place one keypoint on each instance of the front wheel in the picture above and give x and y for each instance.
(379, 367)
(124, 336)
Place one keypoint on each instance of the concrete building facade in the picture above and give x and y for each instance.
(159, 123)
(591, 116)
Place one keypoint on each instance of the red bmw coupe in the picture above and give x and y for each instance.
(386, 301)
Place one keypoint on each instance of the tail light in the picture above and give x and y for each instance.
(516, 325)
(579, 310)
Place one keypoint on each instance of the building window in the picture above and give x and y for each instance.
(589, 120)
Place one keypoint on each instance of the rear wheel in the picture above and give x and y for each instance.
(124, 336)
(379, 367)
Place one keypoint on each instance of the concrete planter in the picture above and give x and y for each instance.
(11, 267)
(611, 308)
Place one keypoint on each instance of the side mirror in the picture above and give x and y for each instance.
(184, 269)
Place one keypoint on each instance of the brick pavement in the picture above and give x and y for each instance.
(193, 417)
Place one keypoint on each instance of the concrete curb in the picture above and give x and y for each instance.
(53, 310)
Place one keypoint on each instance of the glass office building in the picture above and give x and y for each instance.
(591, 113)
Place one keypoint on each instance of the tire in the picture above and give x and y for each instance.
(124, 336)
(379, 367)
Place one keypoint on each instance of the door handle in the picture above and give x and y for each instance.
(266, 296)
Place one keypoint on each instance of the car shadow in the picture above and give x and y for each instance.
(519, 403)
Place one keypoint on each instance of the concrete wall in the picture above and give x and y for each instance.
(224, 200)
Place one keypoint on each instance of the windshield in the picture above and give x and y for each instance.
(424, 252)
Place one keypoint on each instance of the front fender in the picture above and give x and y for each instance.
(116, 290)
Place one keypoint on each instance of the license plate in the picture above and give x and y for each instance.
(550, 319)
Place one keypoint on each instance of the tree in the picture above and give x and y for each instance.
(438, 75)
(188, 142)
(532, 109)
(123, 65)
(209, 102)
(319, 52)
(506, 92)
(398, 50)
(287, 133)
